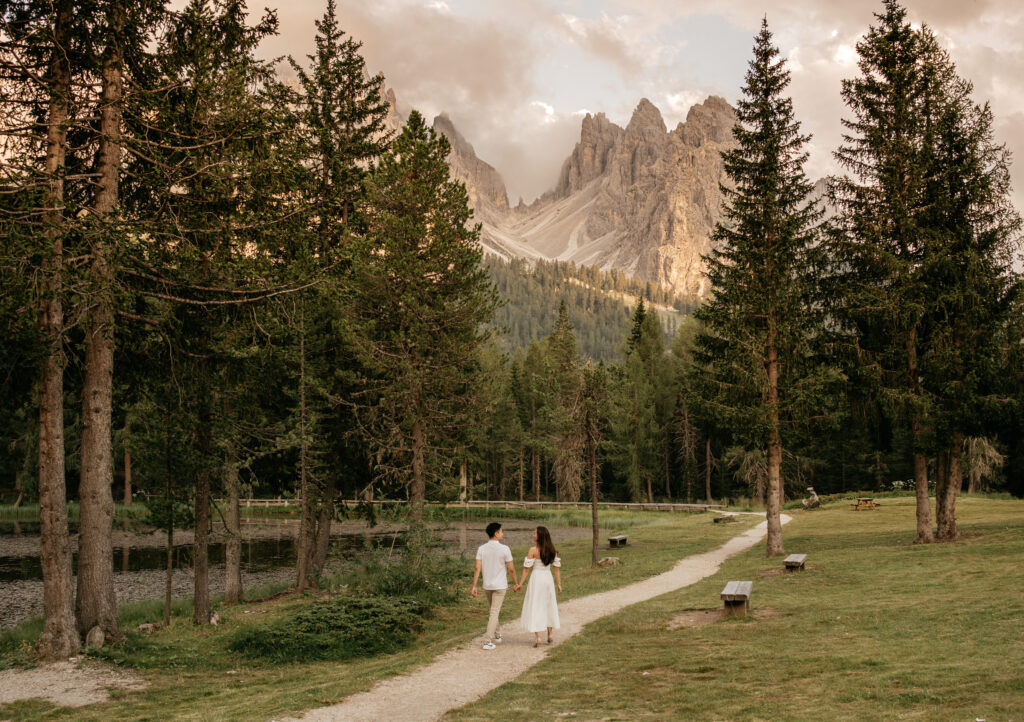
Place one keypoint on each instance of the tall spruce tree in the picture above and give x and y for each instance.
(563, 414)
(760, 322)
(973, 288)
(343, 113)
(636, 439)
(421, 300)
(884, 240)
(39, 48)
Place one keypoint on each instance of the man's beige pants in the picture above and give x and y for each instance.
(494, 597)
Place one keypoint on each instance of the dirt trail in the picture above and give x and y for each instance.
(72, 683)
(468, 672)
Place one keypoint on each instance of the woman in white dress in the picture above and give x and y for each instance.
(540, 605)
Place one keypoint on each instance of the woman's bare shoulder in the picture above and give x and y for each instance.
(533, 553)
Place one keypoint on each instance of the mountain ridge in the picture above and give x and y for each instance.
(641, 199)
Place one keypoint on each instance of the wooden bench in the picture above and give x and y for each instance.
(736, 596)
(865, 502)
(795, 562)
(617, 541)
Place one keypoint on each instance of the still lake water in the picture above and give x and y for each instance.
(273, 547)
(257, 554)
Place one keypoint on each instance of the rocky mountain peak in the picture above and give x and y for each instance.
(710, 121)
(486, 189)
(589, 159)
(646, 120)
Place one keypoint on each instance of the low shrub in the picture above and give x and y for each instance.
(340, 628)
(421, 569)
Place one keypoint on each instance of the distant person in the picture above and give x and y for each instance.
(540, 605)
(494, 559)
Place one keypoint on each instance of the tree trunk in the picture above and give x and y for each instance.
(945, 503)
(307, 522)
(536, 474)
(592, 469)
(463, 496)
(522, 453)
(418, 492)
(233, 546)
(169, 578)
(773, 514)
(941, 479)
(924, 512)
(96, 604)
(707, 471)
(59, 637)
(668, 473)
(323, 526)
(127, 478)
(200, 559)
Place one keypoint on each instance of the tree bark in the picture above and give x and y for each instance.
(233, 546)
(127, 478)
(773, 514)
(592, 469)
(707, 471)
(418, 491)
(200, 559)
(323, 526)
(59, 637)
(96, 603)
(463, 496)
(169, 578)
(924, 512)
(945, 503)
(522, 453)
(668, 473)
(307, 521)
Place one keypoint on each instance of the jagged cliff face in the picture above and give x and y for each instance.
(486, 189)
(643, 199)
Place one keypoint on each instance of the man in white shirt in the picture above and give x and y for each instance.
(494, 559)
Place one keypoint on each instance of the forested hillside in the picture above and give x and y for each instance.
(599, 304)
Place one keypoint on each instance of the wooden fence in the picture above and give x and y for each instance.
(689, 508)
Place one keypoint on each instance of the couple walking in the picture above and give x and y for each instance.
(540, 606)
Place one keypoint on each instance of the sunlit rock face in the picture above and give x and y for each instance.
(643, 199)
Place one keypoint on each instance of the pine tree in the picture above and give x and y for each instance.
(343, 112)
(421, 299)
(637, 434)
(40, 47)
(971, 281)
(884, 241)
(759, 324)
(567, 437)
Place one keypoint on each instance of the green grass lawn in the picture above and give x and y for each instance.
(875, 628)
(192, 675)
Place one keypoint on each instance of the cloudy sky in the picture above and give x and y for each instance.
(516, 75)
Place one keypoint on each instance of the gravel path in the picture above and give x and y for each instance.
(466, 673)
(73, 683)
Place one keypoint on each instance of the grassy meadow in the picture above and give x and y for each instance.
(875, 628)
(193, 676)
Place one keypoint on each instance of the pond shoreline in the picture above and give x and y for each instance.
(23, 598)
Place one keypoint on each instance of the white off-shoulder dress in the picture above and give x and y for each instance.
(540, 605)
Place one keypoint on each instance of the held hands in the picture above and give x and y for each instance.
(517, 587)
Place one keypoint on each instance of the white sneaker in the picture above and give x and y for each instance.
(490, 645)
(498, 639)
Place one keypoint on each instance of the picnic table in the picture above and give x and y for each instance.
(865, 502)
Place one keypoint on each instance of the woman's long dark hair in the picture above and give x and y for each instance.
(545, 546)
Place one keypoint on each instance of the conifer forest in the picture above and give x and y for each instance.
(216, 284)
